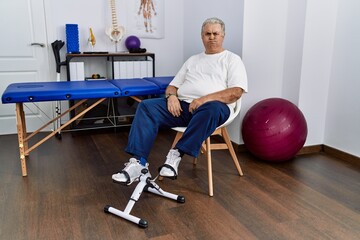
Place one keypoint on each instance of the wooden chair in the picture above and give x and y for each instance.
(207, 146)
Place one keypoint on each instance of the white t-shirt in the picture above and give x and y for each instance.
(203, 74)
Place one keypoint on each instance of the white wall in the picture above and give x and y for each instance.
(342, 129)
(317, 52)
(295, 26)
(308, 53)
(264, 48)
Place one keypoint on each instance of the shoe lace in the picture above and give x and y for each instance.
(172, 157)
(132, 162)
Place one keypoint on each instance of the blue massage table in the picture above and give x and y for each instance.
(20, 93)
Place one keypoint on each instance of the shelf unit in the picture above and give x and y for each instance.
(117, 112)
(111, 57)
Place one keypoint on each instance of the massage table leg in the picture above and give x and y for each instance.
(22, 133)
(21, 129)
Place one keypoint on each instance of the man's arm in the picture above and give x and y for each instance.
(227, 96)
(170, 91)
(173, 103)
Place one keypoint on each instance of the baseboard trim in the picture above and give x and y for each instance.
(305, 150)
(342, 155)
(311, 149)
(317, 149)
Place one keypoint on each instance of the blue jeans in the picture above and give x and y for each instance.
(152, 115)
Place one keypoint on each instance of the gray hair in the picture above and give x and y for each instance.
(213, 20)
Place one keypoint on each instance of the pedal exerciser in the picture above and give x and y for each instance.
(149, 185)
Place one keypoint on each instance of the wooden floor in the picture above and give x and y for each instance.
(69, 183)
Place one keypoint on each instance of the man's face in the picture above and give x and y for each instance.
(212, 38)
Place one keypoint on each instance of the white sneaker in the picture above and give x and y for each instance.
(130, 173)
(170, 167)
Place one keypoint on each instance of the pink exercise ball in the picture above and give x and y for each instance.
(274, 130)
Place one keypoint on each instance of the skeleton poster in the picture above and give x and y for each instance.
(145, 18)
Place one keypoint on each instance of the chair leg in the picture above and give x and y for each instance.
(210, 178)
(207, 148)
(227, 140)
(176, 139)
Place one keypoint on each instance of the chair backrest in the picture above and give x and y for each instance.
(233, 114)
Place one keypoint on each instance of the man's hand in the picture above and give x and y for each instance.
(173, 105)
(195, 104)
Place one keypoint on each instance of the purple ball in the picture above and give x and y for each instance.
(132, 42)
(274, 130)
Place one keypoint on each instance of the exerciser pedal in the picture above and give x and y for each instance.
(169, 167)
(149, 185)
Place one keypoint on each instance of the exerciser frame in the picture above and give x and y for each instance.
(149, 185)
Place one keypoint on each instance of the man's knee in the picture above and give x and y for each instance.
(214, 107)
(215, 110)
